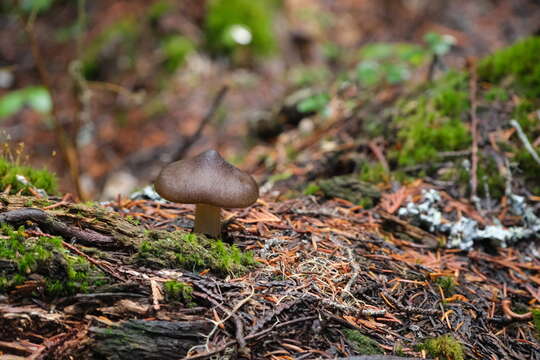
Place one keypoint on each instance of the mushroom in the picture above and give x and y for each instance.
(211, 183)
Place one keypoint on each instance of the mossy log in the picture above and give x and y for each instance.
(97, 227)
(148, 340)
(88, 225)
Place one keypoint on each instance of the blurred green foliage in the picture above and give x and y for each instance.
(116, 44)
(433, 121)
(35, 97)
(235, 24)
(175, 48)
(314, 103)
(439, 44)
(41, 179)
(520, 63)
(388, 63)
(35, 5)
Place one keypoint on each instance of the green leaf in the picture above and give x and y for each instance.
(176, 48)
(36, 5)
(39, 99)
(368, 72)
(438, 43)
(11, 103)
(397, 73)
(314, 103)
(377, 51)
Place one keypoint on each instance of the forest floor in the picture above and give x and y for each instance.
(398, 180)
(330, 279)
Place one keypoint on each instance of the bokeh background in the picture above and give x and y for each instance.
(105, 92)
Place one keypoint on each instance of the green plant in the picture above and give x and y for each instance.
(518, 63)
(35, 97)
(447, 283)
(178, 291)
(388, 63)
(35, 5)
(433, 121)
(315, 103)
(63, 273)
(445, 347)
(439, 44)
(312, 189)
(234, 24)
(175, 48)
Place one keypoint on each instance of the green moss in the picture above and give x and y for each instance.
(193, 252)
(175, 49)
(361, 343)
(433, 121)
(350, 188)
(224, 16)
(496, 94)
(447, 283)
(41, 179)
(117, 41)
(445, 347)
(373, 173)
(63, 273)
(536, 321)
(519, 63)
(178, 291)
(312, 189)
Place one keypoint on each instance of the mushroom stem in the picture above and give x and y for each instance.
(208, 220)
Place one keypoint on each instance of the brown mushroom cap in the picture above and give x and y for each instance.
(207, 179)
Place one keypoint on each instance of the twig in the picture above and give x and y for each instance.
(523, 137)
(356, 272)
(474, 128)
(67, 146)
(249, 337)
(377, 151)
(181, 151)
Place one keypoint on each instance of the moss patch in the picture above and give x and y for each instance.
(433, 121)
(192, 252)
(350, 188)
(41, 179)
(178, 291)
(536, 321)
(518, 63)
(444, 347)
(44, 258)
(361, 343)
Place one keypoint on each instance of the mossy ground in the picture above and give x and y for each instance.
(25, 257)
(361, 343)
(41, 179)
(178, 291)
(192, 252)
(444, 347)
(434, 123)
